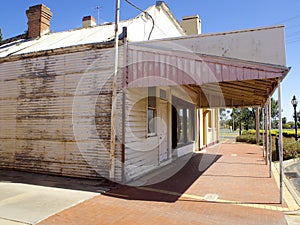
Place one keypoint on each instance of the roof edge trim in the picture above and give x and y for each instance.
(59, 51)
(214, 34)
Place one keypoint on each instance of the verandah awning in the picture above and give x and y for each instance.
(219, 79)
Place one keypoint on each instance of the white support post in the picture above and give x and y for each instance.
(124, 94)
(280, 142)
(270, 137)
(259, 136)
(267, 132)
(257, 124)
(263, 129)
(114, 96)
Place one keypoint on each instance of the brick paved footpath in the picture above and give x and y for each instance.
(234, 189)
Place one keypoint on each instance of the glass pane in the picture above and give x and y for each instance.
(180, 137)
(152, 97)
(151, 123)
(190, 125)
(163, 94)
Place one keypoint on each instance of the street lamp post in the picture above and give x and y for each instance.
(294, 103)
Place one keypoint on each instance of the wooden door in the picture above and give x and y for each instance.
(162, 128)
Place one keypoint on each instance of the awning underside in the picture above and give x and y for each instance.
(248, 93)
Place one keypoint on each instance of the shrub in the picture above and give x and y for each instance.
(288, 133)
(291, 148)
(253, 132)
(248, 132)
(285, 133)
(251, 139)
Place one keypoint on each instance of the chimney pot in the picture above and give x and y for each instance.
(39, 17)
(88, 21)
(158, 3)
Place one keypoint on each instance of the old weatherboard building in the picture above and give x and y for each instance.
(56, 91)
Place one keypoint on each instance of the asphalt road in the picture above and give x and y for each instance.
(292, 173)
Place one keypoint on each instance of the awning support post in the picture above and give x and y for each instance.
(257, 125)
(124, 94)
(267, 132)
(263, 131)
(114, 96)
(280, 142)
(270, 137)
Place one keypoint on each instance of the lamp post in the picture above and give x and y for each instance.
(294, 103)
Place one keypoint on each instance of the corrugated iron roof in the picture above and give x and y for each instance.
(97, 34)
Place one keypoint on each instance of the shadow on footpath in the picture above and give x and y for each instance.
(170, 189)
(12, 176)
(178, 183)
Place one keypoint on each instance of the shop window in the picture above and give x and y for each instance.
(151, 122)
(151, 113)
(190, 125)
(183, 122)
(163, 94)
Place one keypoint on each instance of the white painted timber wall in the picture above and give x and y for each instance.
(141, 152)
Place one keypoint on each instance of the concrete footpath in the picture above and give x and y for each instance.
(226, 184)
(27, 198)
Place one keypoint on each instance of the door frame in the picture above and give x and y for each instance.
(167, 109)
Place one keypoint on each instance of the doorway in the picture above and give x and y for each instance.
(162, 131)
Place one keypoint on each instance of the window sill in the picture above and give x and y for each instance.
(151, 135)
(179, 145)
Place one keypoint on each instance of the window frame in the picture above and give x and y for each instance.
(153, 108)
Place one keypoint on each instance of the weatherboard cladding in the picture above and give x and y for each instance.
(37, 114)
(139, 159)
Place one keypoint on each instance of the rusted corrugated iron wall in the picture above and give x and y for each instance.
(55, 114)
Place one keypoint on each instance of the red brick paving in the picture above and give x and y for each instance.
(238, 173)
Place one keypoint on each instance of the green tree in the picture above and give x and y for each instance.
(274, 108)
(0, 35)
(285, 123)
(284, 120)
(248, 117)
(222, 117)
(243, 118)
(298, 119)
(274, 113)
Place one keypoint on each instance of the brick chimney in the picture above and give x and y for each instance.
(191, 25)
(39, 17)
(88, 21)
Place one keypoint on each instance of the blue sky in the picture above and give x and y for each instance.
(216, 15)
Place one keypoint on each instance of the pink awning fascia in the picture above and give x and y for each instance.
(155, 67)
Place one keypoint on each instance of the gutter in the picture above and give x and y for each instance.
(59, 51)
